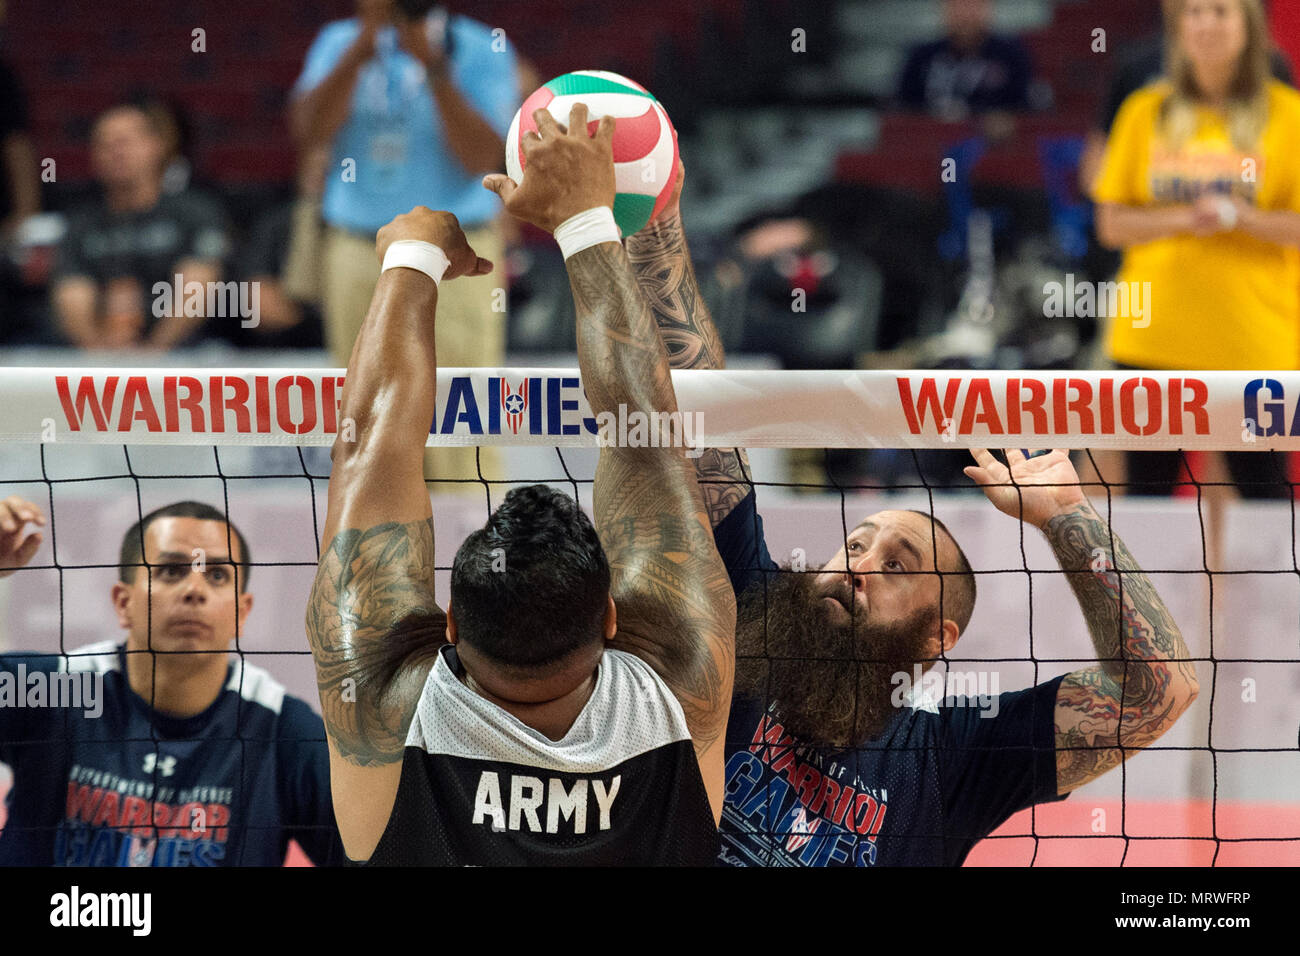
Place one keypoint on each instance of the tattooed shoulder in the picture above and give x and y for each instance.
(374, 629)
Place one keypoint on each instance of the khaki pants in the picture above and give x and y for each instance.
(469, 333)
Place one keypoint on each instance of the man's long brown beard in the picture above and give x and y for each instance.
(831, 679)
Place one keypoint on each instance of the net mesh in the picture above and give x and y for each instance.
(1219, 789)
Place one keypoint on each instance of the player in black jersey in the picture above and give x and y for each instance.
(569, 705)
(159, 750)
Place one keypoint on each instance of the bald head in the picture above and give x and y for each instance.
(958, 578)
(886, 571)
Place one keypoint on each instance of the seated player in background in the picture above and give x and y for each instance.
(119, 247)
(971, 71)
(827, 762)
(186, 758)
(569, 705)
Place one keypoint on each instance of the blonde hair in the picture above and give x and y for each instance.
(1247, 105)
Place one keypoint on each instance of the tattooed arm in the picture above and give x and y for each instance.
(1144, 679)
(372, 620)
(674, 603)
(666, 277)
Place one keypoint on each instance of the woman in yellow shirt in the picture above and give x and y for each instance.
(1200, 187)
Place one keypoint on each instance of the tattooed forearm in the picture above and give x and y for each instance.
(675, 606)
(676, 609)
(666, 277)
(1144, 679)
(622, 360)
(664, 273)
(374, 629)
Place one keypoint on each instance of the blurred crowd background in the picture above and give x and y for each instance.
(145, 141)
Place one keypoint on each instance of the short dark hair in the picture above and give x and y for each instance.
(131, 557)
(531, 586)
(958, 586)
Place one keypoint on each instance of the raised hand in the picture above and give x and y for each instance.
(443, 230)
(1034, 490)
(16, 549)
(567, 171)
(674, 205)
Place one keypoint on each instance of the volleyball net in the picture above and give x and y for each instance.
(97, 449)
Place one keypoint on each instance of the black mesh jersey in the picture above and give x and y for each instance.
(481, 788)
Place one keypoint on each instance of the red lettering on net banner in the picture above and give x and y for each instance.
(1225, 411)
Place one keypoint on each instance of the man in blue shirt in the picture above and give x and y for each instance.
(159, 751)
(414, 110)
(838, 750)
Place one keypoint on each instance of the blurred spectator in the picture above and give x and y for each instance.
(414, 105)
(1200, 188)
(1141, 64)
(302, 271)
(21, 195)
(172, 126)
(22, 190)
(971, 71)
(120, 247)
(277, 259)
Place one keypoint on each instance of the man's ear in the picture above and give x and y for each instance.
(947, 637)
(611, 619)
(950, 633)
(121, 597)
(451, 625)
(245, 606)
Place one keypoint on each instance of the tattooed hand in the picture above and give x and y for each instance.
(567, 171)
(1034, 490)
(674, 205)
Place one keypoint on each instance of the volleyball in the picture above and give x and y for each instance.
(645, 144)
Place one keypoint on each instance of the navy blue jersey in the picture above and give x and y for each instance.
(128, 786)
(940, 78)
(939, 778)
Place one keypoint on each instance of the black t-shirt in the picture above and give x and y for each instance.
(142, 245)
(1142, 65)
(261, 256)
(940, 778)
(13, 119)
(940, 79)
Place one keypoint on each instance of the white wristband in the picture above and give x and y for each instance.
(418, 255)
(587, 229)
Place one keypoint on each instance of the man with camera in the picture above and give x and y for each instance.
(414, 104)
